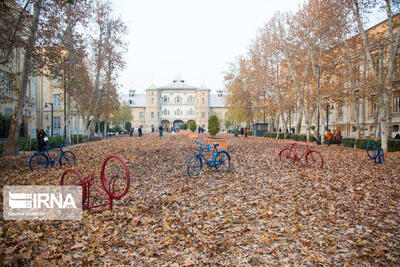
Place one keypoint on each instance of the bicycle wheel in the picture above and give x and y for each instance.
(372, 149)
(287, 155)
(67, 159)
(381, 157)
(222, 161)
(314, 159)
(194, 165)
(72, 178)
(115, 176)
(38, 161)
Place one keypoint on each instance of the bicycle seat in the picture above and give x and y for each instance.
(216, 144)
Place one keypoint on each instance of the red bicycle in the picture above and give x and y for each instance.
(115, 179)
(290, 154)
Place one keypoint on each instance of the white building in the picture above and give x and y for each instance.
(174, 104)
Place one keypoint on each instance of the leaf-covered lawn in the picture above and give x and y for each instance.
(260, 213)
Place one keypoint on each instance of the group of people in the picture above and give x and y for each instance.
(243, 131)
(132, 131)
(330, 137)
(200, 130)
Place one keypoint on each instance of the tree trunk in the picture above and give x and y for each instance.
(299, 119)
(12, 140)
(386, 119)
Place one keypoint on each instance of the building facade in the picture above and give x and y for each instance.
(175, 104)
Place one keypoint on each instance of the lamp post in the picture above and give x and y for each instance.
(52, 112)
(327, 117)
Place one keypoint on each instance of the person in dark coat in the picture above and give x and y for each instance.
(245, 132)
(152, 129)
(41, 139)
(140, 131)
(160, 129)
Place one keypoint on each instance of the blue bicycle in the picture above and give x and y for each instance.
(220, 159)
(375, 152)
(40, 160)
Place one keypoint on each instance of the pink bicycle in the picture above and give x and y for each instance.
(289, 154)
(115, 179)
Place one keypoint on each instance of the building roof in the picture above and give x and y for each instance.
(139, 100)
(217, 101)
(178, 83)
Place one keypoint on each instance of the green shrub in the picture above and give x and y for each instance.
(250, 133)
(183, 126)
(2, 148)
(192, 126)
(128, 125)
(393, 145)
(230, 131)
(348, 142)
(213, 125)
(5, 122)
(81, 138)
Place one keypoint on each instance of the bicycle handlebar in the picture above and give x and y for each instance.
(202, 144)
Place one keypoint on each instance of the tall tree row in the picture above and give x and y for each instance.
(77, 43)
(318, 57)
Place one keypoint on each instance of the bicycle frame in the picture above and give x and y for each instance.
(297, 157)
(211, 162)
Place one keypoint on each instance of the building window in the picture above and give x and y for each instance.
(202, 100)
(5, 81)
(373, 107)
(152, 115)
(141, 115)
(396, 103)
(56, 123)
(131, 93)
(165, 112)
(203, 115)
(57, 101)
(340, 111)
(165, 99)
(178, 99)
(8, 111)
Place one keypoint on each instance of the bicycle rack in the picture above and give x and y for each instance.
(109, 187)
(378, 157)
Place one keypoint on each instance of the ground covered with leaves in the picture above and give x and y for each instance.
(259, 213)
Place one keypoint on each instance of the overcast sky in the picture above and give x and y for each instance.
(196, 38)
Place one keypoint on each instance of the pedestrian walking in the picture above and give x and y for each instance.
(235, 132)
(42, 140)
(338, 137)
(152, 129)
(160, 129)
(130, 132)
(329, 136)
(241, 131)
(245, 132)
(140, 131)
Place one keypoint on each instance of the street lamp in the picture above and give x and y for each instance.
(52, 112)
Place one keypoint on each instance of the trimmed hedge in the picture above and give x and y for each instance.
(393, 144)
(297, 137)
